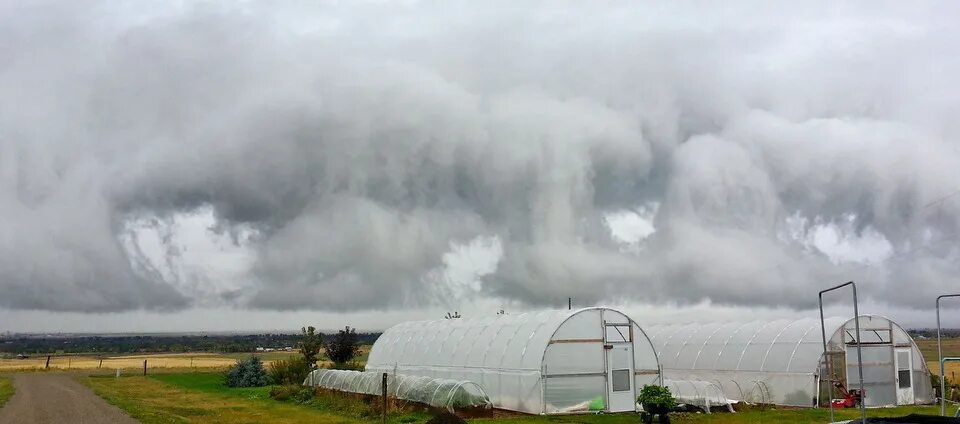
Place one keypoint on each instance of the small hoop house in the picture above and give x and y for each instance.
(590, 359)
(782, 361)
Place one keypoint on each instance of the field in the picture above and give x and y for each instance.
(201, 398)
(6, 390)
(157, 360)
(132, 363)
(951, 347)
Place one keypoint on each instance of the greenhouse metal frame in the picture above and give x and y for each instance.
(541, 363)
(782, 361)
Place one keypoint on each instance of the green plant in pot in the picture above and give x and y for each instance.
(656, 400)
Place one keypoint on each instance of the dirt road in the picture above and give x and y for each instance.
(46, 398)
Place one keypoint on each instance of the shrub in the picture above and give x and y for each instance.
(247, 373)
(304, 395)
(284, 392)
(656, 399)
(289, 371)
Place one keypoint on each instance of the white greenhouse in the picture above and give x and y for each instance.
(782, 361)
(592, 359)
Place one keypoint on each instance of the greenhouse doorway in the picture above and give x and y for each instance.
(904, 376)
(618, 344)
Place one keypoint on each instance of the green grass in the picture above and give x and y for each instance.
(769, 416)
(153, 401)
(347, 407)
(202, 398)
(6, 390)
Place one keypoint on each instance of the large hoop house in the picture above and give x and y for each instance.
(590, 359)
(782, 361)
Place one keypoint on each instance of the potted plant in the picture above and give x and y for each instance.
(656, 400)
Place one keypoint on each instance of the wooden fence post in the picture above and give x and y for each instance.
(48, 362)
(101, 363)
(383, 388)
(144, 367)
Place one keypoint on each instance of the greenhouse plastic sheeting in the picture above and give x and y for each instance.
(540, 363)
(781, 361)
(437, 392)
(704, 394)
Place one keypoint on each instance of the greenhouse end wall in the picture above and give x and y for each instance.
(591, 359)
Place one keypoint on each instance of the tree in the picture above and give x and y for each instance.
(343, 348)
(310, 344)
(247, 373)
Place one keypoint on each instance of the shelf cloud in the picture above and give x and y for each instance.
(349, 148)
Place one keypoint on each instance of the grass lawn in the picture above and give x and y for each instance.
(6, 390)
(152, 401)
(770, 416)
(202, 398)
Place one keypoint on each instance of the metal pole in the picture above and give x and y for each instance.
(826, 359)
(856, 323)
(383, 388)
(943, 376)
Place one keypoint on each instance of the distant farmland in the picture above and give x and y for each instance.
(133, 363)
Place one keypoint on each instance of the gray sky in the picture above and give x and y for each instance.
(255, 165)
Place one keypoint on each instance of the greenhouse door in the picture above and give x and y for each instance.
(904, 376)
(619, 347)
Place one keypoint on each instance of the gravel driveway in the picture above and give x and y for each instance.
(46, 398)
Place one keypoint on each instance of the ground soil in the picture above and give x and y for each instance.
(48, 398)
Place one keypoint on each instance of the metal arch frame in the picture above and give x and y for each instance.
(454, 326)
(943, 385)
(656, 357)
(456, 347)
(666, 342)
(693, 366)
(793, 355)
(727, 342)
(773, 343)
(856, 321)
(749, 343)
(676, 360)
(479, 336)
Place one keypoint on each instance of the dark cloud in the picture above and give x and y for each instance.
(357, 141)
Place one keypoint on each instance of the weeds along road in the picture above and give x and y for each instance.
(48, 398)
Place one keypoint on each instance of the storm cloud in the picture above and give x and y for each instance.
(351, 146)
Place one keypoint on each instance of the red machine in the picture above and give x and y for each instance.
(851, 398)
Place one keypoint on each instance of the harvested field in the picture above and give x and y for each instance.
(132, 362)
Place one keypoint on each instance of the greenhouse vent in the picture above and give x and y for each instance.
(593, 359)
(782, 361)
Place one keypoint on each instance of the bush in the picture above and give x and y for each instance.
(247, 373)
(304, 395)
(284, 392)
(656, 399)
(289, 371)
